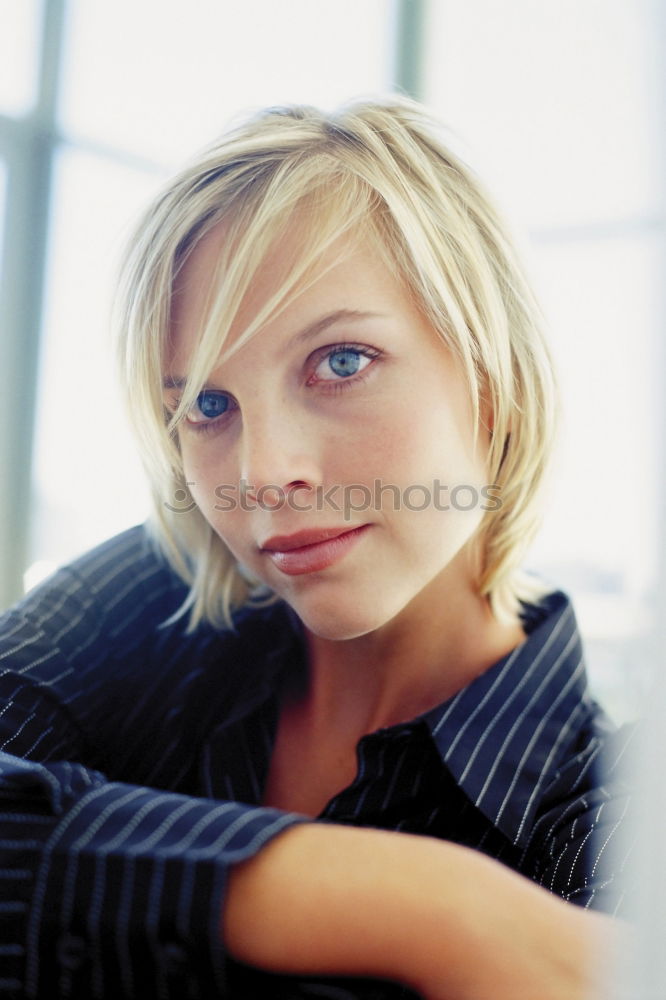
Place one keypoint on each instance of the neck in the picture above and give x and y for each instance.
(442, 641)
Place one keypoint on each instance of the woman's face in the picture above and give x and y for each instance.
(332, 452)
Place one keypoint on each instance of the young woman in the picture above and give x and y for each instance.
(313, 732)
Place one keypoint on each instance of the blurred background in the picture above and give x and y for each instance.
(556, 103)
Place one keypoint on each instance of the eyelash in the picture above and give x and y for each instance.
(328, 386)
(341, 384)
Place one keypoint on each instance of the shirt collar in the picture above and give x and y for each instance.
(504, 735)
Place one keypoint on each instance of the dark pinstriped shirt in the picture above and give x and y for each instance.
(133, 758)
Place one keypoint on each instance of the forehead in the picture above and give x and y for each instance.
(216, 300)
(209, 269)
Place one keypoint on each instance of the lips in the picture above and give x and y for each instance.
(286, 543)
(311, 551)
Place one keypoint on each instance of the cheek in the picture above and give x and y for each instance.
(374, 441)
(207, 479)
(195, 474)
(406, 445)
(195, 466)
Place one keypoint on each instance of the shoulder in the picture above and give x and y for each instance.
(95, 644)
(128, 566)
(123, 593)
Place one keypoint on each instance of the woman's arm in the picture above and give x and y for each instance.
(443, 919)
(112, 864)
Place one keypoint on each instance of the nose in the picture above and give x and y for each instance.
(279, 451)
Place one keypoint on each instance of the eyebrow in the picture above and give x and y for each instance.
(339, 316)
(311, 330)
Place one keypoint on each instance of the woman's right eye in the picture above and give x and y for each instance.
(208, 407)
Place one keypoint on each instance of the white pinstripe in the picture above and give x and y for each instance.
(609, 837)
(564, 734)
(514, 694)
(38, 623)
(537, 732)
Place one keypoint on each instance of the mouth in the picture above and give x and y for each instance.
(311, 551)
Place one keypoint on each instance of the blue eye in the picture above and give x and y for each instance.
(345, 362)
(212, 404)
(209, 405)
(340, 363)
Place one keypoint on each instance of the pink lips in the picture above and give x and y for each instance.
(311, 551)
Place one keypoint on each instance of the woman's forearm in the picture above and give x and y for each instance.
(324, 899)
(443, 919)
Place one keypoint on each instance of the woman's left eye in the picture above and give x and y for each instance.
(343, 362)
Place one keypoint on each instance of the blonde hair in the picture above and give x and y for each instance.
(373, 166)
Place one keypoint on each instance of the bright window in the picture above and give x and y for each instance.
(160, 79)
(87, 482)
(20, 22)
(557, 107)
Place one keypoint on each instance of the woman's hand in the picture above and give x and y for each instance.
(445, 920)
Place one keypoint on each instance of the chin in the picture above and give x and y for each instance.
(342, 620)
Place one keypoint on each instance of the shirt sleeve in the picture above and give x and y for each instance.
(582, 840)
(108, 889)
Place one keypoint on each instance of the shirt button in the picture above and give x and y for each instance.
(72, 951)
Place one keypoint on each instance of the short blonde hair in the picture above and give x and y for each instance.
(374, 166)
